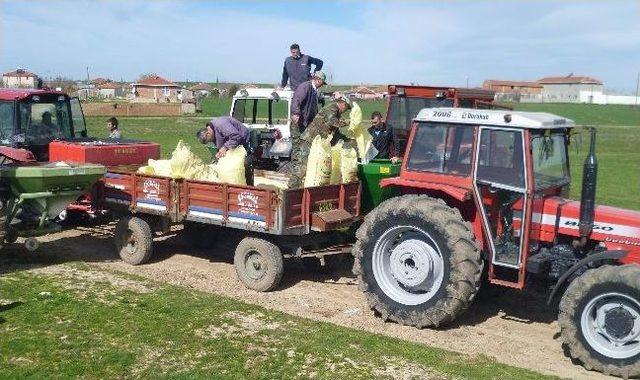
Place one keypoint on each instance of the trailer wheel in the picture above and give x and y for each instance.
(200, 235)
(259, 264)
(134, 240)
(600, 320)
(417, 261)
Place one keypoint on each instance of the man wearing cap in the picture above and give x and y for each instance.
(297, 68)
(228, 133)
(304, 104)
(326, 122)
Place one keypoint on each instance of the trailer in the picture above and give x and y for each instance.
(278, 224)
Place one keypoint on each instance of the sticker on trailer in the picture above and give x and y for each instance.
(248, 203)
(151, 189)
(151, 204)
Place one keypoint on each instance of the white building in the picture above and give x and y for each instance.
(568, 89)
(20, 78)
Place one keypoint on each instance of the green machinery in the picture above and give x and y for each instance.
(33, 194)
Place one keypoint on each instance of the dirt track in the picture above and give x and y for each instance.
(503, 324)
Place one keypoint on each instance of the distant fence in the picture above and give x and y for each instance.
(137, 109)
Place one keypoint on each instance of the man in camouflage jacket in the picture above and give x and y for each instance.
(326, 123)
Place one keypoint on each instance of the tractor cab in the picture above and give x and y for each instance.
(507, 165)
(32, 118)
(266, 113)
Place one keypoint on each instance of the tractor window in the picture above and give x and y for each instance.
(402, 111)
(46, 118)
(261, 111)
(79, 125)
(550, 166)
(442, 148)
(238, 109)
(6, 121)
(500, 159)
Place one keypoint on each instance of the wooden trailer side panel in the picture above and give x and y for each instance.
(237, 206)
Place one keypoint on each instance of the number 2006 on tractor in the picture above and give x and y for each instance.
(482, 193)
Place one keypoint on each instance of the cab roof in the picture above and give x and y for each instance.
(502, 118)
(22, 93)
(263, 93)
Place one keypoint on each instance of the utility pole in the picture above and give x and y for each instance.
(637, 88)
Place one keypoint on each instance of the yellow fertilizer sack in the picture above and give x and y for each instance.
(183, 161)
(319, 163)
(336, 154)
(231, 167)
(349, 165)
(157, 167)
(208, 173)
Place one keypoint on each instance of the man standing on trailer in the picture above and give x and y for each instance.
(326, 123)
(304, 104)
(297, 68)
(228, 133)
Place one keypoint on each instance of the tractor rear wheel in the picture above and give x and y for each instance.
(417, 261)
(600, 320)
(134, 240)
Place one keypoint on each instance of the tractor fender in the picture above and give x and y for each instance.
(604, 255)
(458, 193)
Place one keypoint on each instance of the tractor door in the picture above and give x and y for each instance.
(79, 125)
(501, 188)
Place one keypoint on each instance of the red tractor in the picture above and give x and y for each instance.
(51, 125)
(482, 194)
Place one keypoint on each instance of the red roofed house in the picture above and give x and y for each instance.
(568, 89)
(20, 78)
(155, 89)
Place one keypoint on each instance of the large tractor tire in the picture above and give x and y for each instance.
(417, 261)
(134, 240)
(600, 320)
(259, 264)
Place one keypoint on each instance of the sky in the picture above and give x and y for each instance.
(431, 43)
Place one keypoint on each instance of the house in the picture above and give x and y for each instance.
(568, 89)
(20, 78)
(366, 93)
(154, 88)
(185, 95)
(202, 89)
(110, 90)
(99, 81)
(512, 87)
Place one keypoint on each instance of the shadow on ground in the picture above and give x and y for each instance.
(95, 244)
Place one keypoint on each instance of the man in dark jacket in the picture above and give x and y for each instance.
(304, 104)
(383, 139)
(297, 68)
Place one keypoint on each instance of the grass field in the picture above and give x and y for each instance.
(76, 321)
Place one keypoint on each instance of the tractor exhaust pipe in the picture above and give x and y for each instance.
(588, 196)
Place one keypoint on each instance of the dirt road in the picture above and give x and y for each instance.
(503, 324)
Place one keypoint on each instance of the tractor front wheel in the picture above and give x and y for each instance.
(134, 240)
(417, 261)
(600, 320)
